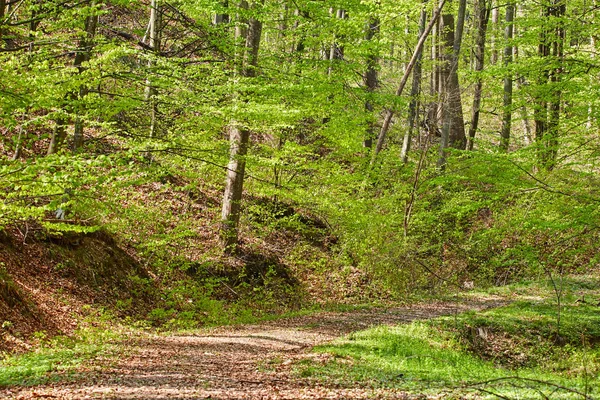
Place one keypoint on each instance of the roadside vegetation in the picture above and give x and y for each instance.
(528, 349)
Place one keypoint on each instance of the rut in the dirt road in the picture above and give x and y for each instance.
(246, 362)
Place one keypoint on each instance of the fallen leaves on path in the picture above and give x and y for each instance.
(243, 362)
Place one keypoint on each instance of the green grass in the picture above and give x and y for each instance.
(510, 352)
(58, 359)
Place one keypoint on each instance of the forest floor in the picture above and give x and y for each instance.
(235, 362)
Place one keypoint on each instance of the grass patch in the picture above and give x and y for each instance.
(514, 352)
(57, 359)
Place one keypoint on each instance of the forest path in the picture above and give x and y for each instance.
(236, 362)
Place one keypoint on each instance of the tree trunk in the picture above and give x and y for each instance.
(508, 79)
(482, 14)
(389, 113)
(219, 19)
(540, 113)
(155, 43)
(336, 51)
(370, 79)
(453, 126)
(558, 10)
(2, 14)
(83, 54)
(495, 18)
(239, 138)
(414, 94)
(19, 144)
(252, 45)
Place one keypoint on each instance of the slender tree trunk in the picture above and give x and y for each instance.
(453, 126)
(495, 19)
(389, 113)
(432, 120)
(2, 14)
(540, 113)
(239, 138)
(151, 92)
(508, 79)
(219, 19)
(590, 117)
(19, 144)
(520, 82)
(414, 94)
(370, 79)
(482, 14)
(525, 116)
(336, 51)
(83, 55)
(558, 10)
(547, 111)
(59, 132)
(252, 45)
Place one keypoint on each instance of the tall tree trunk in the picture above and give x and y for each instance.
(495, 19)
(557, 10)
(239, 138)
(540, 113)
(508, 79)
(482, 15)
(2, 14)
(151, 92)
(414, 94)
(336, 51)
(19, 144)
(453, 126)
(252, 45)
(370, 79)
(219, 19)
(547, 107)
(59, 132)
(389, 113)
(83, 54)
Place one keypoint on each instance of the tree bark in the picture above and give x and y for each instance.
(495, 19)
(482, 14)
(414, 94)
(453, 126)
(239, 138)
(508, 79)
(336, 51)
(557, 10)
(83, 54)
(389, 113)
(155, 43)
(370, 79)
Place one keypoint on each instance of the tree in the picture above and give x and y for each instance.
(151, 93)
(239, 137)
(453, 126)
(482, 15)
(370, 79)
(414, 94)
(508, 80)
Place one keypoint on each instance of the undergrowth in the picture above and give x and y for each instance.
(513, 352)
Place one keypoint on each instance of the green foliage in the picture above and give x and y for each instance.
(508, 351)
(56, 359)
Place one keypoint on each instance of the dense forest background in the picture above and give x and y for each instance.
(185, 157)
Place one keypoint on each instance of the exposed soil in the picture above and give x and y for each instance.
(245, 362)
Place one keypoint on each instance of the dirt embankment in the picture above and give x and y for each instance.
(47, 281)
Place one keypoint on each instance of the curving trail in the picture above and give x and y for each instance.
(245, 362)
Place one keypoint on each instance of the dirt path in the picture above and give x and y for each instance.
(247, 362)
